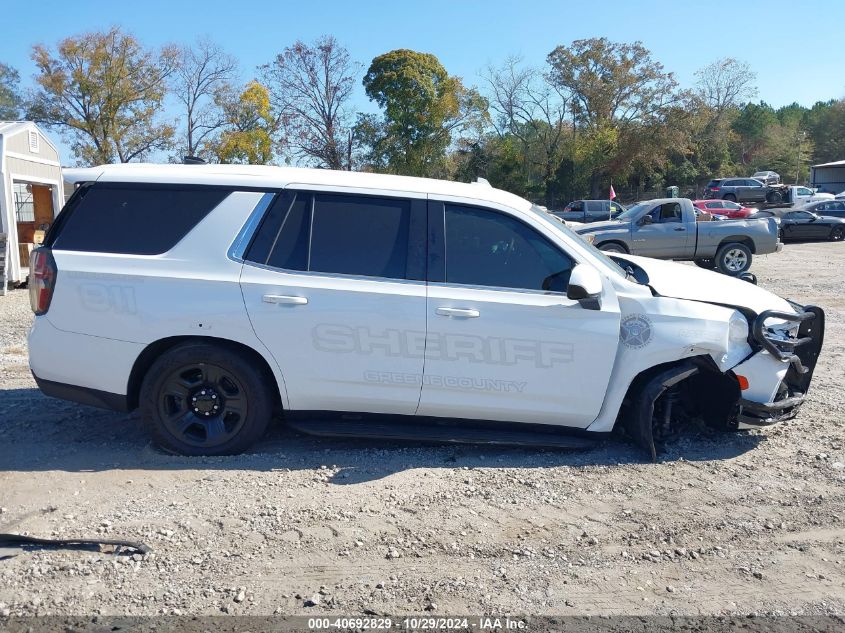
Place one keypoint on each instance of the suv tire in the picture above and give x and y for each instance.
(204, 399)
(729, 196)
(733, 259)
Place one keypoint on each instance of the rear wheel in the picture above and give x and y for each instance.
(837, 234)
(204, 399)
(729, 196)
(708, 264)
(733, 259)
(612, 247)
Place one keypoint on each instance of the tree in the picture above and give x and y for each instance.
(10, 98)
(424, 108)
(825, 123)
(310, 87)
(528, 108)
(620, 97)
(725, 84)
(248, 134)
(105, 91)
(201, 72)
(752, 126)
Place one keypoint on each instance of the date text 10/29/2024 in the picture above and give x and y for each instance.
(420, 623)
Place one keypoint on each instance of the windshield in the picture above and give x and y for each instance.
(633, 211)
(560, 226)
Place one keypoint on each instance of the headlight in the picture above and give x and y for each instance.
(738, 328)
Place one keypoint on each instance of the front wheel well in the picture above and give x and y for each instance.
(154, 350)
(616, 242)
(662, 399)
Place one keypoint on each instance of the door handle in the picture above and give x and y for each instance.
(680, 228)
(285, 300)
(464, 313)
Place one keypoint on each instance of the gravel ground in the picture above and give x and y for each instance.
(724, 524)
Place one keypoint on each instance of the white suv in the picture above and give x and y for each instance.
(215, 297)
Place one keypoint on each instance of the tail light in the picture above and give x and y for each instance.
(42, 280)
(714, 188)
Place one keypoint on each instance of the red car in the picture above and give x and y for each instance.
(726, 208)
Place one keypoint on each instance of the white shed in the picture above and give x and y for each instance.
(31, 193)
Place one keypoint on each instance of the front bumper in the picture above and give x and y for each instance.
(801, 353)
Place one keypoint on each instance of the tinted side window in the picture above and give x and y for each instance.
(135, 219)
(282, 239)
(668, 212)
(290, 249)
(360, 235)
(485, 248)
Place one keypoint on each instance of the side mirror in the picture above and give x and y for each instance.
(646, 220)
(585, 286)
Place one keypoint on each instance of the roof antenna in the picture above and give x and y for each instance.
(482, 181)
(192, 160)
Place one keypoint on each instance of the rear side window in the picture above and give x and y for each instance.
(134, 219)
(337, 233)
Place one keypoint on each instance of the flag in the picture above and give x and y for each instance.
(612, 192)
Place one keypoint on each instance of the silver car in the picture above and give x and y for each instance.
(767, 177)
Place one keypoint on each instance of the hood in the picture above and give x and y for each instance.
(598, 226)
(681, 281)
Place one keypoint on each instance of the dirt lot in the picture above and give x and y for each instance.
(724, 524)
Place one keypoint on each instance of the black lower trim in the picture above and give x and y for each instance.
(83, 395)
(439, 430)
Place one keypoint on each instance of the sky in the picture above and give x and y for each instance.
(794, 47)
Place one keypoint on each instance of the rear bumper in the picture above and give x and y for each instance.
(801, 352)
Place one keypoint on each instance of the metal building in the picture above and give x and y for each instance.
(828, 177)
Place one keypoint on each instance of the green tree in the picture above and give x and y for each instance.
(248, 134)
(751, 126)
(105, 91)
(621, 98)
(10, 98)
(825, 124)
(425, 109)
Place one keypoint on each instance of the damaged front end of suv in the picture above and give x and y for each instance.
(767, 386)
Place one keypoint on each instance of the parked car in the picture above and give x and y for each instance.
(726, 208)
(212, 297)
(736, 189)
(767, 177)
(666, 229)
(804, 225)
(590, 210)
(829, 208)
(751, 190)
